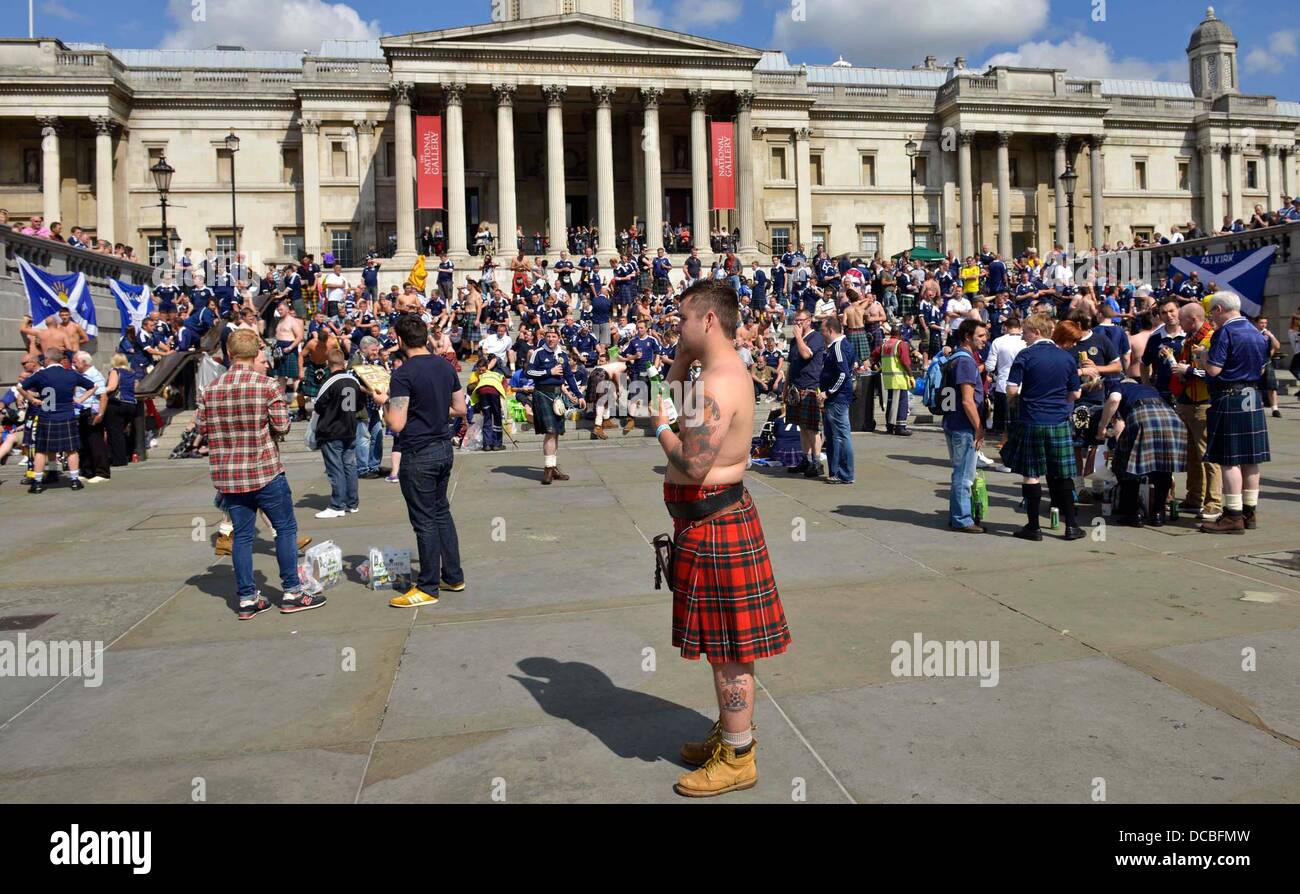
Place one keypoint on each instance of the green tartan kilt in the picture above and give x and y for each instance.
(1035, 450)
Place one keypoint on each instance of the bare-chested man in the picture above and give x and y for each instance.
(855, 323)
(288, 338)
(59, 332)
(725, 602)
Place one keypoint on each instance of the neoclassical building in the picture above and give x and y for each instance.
(563, 112)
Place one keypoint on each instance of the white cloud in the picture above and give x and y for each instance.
(59, 11)
(1282, 45)
(264, 24)
(688, 15)
(1086, 57)
(896, 33)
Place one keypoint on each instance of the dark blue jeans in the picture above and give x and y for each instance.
(276, 500)
(341, 469)
(839, 442)
(424, 475)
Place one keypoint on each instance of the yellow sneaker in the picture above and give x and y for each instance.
(412, 598)
(725, 771)
(451, 588)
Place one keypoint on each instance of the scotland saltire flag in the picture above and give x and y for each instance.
(134, 303)
(48, 294)
(1243, 272)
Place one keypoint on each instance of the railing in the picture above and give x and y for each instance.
(876, 92)
(1129, 102)
(778, 79)
(1078, 86)
(78, 59)
(983, 83)
(221, 77)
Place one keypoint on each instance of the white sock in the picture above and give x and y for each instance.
(1232, 501)
(551, 460)
(738, 740)
(1250, 497)
(225, 530)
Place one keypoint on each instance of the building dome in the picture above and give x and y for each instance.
(841, 63)
(1211, 30)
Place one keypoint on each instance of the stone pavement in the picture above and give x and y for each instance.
(552, 678)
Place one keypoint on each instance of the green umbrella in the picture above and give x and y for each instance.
(923, 255)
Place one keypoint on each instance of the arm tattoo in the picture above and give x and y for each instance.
(398, 403)
(697, 450)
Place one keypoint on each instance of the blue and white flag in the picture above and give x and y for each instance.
(48, 294)
(134, 303)
(1243, 272)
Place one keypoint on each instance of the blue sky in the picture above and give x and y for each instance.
(1091, 38)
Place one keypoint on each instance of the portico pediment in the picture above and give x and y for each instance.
(567, 33)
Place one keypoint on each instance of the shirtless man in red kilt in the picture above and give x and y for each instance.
(725, 603)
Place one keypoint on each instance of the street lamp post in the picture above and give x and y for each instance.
(913, 150)
(1069, 179)
(162, 179)
(232, 146)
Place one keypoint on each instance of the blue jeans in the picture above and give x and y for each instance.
(962, 452)
(839, 444)
(276, 500)
(424, 475)
(370, 444)
(341, 469)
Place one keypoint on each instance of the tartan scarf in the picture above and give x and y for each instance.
(1202, 336)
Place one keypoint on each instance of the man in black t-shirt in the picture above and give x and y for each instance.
(423, 394)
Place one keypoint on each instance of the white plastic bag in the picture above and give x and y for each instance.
(474, 436)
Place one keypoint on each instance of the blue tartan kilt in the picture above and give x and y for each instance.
(56, 436)
(1154, 440)
(545, 420)
(1236, 433)
(1036, 450)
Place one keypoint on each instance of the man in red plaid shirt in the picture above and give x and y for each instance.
(242, 415)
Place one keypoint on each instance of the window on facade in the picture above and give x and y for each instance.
(292, 245)
(338, 158)
(1013, 165)
(1140, 173)
(868, 242)
(821, 237)
(225, 245)
(341, 245)
(868, 170)
(1142, 234)
(780, 240)
(1212, 72)
(1252, 175)
(778, 171)
(32, 166)
(1227, 71)
(924, 238)
(291, 164)
(815, 166)
(225, 164)
(921, 168)
(390, 160)
(1184, 174)
(155, 156)
(157, 250)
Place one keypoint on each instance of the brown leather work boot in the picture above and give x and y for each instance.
(629, 425)
(221, 546)
(698, 753)
(599, 432)
(548, 475)
(557, 475)
(1248, 517)
(725, 771)
(1226, 524)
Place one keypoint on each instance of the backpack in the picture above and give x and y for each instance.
(939, 384)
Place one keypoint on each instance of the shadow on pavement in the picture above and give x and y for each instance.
(629, 723)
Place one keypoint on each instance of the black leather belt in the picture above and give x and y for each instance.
(698, 509)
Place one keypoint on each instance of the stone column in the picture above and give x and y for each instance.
(699, 100)
(1062, 204)
(457, 238)
(1098, 190)
(366, 236)
(507, 222)
(965, 139)
(404, 150)
(745, 174)
(654, 185)
(803, 186)
(51, 178)
(1273, 170)
(1004, 194)
(104, 228)
(555, 165)
(1210, 161)
(604, 100)
(311, 223)
(1234, 182)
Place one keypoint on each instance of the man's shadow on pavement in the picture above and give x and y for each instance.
(631, 724)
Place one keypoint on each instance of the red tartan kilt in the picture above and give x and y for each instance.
(725, 602)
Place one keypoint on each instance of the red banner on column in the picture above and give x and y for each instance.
(428, 161)
(722, 139)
